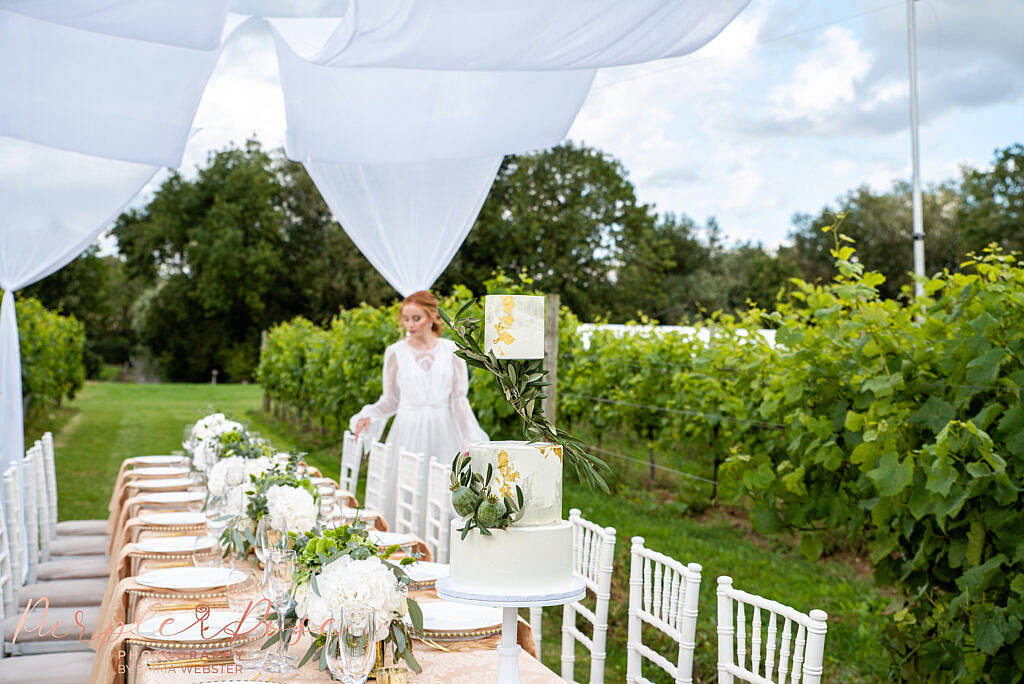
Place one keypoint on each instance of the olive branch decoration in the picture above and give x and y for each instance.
(523, 382)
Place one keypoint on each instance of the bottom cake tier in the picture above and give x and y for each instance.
(516, 561)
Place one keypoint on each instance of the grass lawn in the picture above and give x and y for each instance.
(108, 422)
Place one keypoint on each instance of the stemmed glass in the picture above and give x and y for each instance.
(269, 538)
(352, 643)
(279, 589)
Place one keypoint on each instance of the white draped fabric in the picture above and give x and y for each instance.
(196, 24)
(407, 219)
(514, 35)
(385, 116)
(98, 94)
(54, 203)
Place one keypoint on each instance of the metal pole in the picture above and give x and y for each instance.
(918, 218)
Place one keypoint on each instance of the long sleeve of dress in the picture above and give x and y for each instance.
(463, 412)
(385, 407)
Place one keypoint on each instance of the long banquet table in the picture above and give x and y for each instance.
(121, 656)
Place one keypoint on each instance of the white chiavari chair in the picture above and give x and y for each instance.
(593, 554)
(663, 595)
(63, 527)
(438, 516)
(71, 606)
(351, 462)
(802, 638)
(380, 478)
(50, 554)
(409, 493)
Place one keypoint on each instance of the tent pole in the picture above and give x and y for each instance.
(918, 233)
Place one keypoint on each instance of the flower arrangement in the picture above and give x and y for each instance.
(343, 565)
(288, 498)
(216, 437)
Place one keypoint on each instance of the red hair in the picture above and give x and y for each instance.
(428, 303)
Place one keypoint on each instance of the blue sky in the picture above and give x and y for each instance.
(795, 103)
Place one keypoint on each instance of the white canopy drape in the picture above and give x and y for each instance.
(407, 219)
(519, 35)
(401, 109)
(54, 203)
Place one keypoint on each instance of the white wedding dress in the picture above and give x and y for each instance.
(426, 392)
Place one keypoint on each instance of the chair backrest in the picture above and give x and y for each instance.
(47, 532)
(7, 601)
(438, 516)
(409, 493)
(30, 506)
(663, 594)
(379, 477)
(351, 462)
(802, 638)
(15, 529)
(50, 468)
(593, 554)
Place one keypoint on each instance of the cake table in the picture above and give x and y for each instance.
(508, 649)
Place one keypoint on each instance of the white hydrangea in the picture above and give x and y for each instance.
(346, 581)
(291, 508)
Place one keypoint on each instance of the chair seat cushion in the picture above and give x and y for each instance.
(82, 527)
(59, 621)
(73, 567)
(52, 668)
(65, 592)
(80, 545)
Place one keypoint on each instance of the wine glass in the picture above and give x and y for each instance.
(352, 643)
(279, 589)
(269, 538)
(186, 438)
(205, 552)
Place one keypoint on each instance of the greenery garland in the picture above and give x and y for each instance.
(522, 381)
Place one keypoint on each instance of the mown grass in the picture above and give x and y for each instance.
(108, 422)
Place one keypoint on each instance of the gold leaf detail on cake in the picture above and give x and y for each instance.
(503, 323)
(509, 474)
(555, 449)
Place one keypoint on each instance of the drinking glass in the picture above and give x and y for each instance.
(247, 651)
(352, 643)
(279, 589)
(206, 552)
(186, 438)
(269, 538)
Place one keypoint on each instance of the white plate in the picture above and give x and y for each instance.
(185, 544)
(158, 460)
(176, 518)
(185, 627)
(424, 571)
(190, 578)
(163, 483)
(161, 471)
(446, 616)
(171, 497)
(390, 538)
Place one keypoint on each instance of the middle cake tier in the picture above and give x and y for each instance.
(518, 561)
(536, 468)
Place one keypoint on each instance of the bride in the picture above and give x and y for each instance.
(425, 388)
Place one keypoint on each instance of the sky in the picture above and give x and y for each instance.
(793, 104)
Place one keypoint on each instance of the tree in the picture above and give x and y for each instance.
(246, 244)
(992, 207)
(568, 217)
(96, 290)
(882, 226)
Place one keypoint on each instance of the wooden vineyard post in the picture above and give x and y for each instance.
(263, 348)
(552, 304)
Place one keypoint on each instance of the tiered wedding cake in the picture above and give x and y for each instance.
(533, 555)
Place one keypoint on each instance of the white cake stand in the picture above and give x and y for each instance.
(508, 649)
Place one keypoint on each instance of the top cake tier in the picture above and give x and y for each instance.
(536, 468)
(514, 326)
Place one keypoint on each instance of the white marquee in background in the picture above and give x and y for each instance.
(400, 109)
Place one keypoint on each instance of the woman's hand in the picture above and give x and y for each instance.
(361, 426)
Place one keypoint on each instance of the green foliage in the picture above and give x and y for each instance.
(51, 345)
